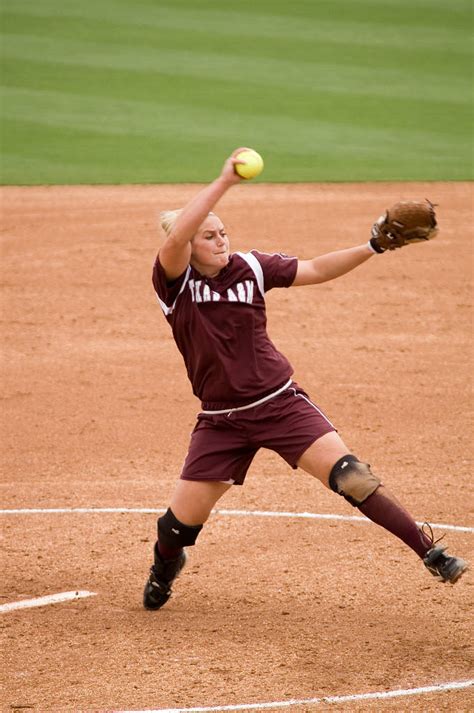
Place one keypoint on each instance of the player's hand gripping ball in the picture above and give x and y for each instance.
(253, 165)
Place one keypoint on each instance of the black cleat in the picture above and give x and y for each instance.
(444, 567)
(162, 575)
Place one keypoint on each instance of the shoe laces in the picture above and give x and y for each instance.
(427, 531)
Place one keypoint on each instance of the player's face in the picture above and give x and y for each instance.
(210, 247)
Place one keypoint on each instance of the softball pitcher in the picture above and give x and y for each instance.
(214, 301)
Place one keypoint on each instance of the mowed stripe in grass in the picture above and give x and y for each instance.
(111, 92)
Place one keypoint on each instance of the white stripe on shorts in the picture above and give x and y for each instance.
(314, 406)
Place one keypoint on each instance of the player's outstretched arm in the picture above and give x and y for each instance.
(406, 222)
(332, 265)
(175, 252)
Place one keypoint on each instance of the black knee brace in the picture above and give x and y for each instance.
(174, 534)
(353, 480)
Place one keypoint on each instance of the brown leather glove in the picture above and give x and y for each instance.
(404, 223)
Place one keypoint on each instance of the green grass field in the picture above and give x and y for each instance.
(114, 91)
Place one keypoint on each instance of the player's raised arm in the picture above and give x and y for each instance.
(175, 253)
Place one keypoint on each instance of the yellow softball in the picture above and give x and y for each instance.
(253, 164)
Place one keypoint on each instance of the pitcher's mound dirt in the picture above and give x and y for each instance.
(97, 412)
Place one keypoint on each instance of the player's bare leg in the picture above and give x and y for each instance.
(193, 500)
(190, 507)
(329, 460)
(320, 457)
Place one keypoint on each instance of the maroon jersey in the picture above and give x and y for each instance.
(219, 325)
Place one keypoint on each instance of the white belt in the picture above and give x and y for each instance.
(254, 403)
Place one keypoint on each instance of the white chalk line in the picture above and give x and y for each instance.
(44, 601)
(71, 596)
(438, 688)
(230, 513)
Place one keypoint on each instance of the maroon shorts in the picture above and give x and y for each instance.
(223, 445)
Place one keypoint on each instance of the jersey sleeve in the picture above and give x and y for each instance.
(167, 292)
(279, 270)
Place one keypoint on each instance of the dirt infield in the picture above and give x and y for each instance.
(97, 411)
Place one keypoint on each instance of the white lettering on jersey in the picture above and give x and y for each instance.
(200, 292)
(244, 292)
(197, 290)
(241, 294)
(249, 288)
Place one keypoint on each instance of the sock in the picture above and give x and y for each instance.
(168, 553)
(382, 508)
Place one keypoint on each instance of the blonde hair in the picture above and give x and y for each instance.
(169, 217)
